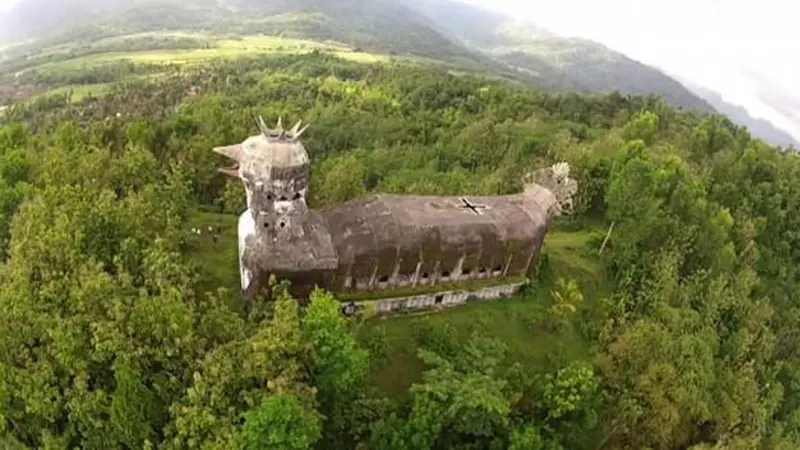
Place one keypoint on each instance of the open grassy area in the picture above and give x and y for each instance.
(515, 321)
(220, 48)
(79, 91)
(218, 263)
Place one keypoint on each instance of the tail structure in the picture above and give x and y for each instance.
(553, 187)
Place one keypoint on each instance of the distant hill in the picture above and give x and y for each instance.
(373, 23)
(444, 30)
(577, 64)
(37, 18)
(386, 26)
(779, 98)
(764, 129)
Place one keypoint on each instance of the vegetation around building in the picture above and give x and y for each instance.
(122, 328)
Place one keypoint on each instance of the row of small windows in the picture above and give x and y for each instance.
(445, 275)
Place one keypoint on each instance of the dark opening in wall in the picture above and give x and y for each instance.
(446, 274)
(383, 279)
(438, 299)
(425, 276)
(466, 271)
(266, 224)
(296, 196)
(269, 197)
(283, 198)
(482, 270)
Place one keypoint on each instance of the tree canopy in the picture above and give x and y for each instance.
(120, 331)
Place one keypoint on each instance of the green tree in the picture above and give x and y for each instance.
(279, 422)
(339, 369)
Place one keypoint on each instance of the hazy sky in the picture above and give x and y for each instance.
(708, 41)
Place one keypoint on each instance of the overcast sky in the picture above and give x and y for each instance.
(708, 41)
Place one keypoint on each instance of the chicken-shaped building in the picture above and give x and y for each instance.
(403, 251)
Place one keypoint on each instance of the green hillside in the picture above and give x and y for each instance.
(377, 25)
(568, 63)
(739, 115)
(446, 31)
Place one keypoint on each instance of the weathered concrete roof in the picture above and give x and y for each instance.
(382, 229)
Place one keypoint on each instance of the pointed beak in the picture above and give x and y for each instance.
(234, 152)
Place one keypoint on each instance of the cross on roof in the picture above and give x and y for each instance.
(474, 207)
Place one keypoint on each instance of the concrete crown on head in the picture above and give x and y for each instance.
(273, 165)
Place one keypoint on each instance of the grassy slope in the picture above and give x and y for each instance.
(514, 321)
(563, 63)
(446, 30)
(223, 48)
(246, 46)
(79, 91)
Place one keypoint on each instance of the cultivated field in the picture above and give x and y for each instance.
(60, 60)
(223, 48)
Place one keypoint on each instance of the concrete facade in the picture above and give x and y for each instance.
(447, 298)
(379, 243)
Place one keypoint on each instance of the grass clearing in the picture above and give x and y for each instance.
(80, 91)
(219, 48)
(218, 263)
(574, 253)
(222, 48)
(514, 321)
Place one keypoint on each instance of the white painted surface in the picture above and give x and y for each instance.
(246, 228)
(448, 298)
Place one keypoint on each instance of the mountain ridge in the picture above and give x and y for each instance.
(578, 62)
(739, 115)
(439, 29)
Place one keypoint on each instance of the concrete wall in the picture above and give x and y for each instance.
(447, 298)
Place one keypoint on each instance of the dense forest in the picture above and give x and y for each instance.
(118, 333)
